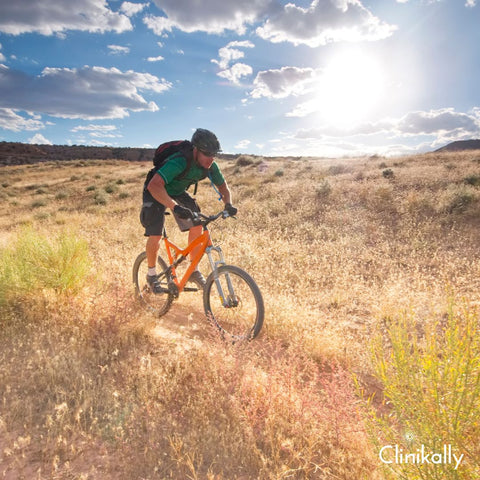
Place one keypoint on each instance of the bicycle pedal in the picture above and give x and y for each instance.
(190, 289)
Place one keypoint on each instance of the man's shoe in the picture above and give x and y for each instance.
(154, 284)
(197, 278)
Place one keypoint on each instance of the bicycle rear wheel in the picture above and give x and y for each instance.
(157, 303)
(234, 303)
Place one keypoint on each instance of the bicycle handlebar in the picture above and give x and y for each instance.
(203, 220)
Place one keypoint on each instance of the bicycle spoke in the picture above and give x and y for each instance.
(157, 303)
(234, 303)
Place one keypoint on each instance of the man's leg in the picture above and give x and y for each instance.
(153, 244)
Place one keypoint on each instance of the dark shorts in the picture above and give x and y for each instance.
(152, 215)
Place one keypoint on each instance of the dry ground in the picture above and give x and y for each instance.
(339, 249)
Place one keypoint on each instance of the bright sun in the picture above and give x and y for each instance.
(351, 86)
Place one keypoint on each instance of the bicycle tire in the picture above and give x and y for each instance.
(158, 303)
(239, 316)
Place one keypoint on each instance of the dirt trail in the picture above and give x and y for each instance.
(184, 325)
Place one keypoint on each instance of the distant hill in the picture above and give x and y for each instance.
(460, 145)
(14, 153)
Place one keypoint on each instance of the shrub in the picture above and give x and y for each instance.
(37, 262)
(456, 199)
(337, 169)
(388, 173)
(39, 203)
(111, 188)
(61, 195)
(100, 199)
(431, 378)
(472, 180)
(323, 189)
(244, 161)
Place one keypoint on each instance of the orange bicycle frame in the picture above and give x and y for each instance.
(177, 255)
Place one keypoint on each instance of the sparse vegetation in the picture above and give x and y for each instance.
(91, 386)
(431, 374)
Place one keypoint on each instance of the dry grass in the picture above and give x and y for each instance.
(93, 387)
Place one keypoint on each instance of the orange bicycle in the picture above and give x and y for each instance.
(232, 300)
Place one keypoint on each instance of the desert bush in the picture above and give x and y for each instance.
(39, 203)
(323, 189)
(472, 180)
(245, 161)
(430, 373)
(456, 199)
(36, 262)
(337, 169)
(100, 199)
(388, 173)
(62, 195)
(111, 188)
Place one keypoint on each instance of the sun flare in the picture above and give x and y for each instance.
(351, 87)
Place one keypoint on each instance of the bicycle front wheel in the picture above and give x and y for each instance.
(157, 303)
(233, 303)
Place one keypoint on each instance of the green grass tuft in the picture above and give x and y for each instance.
(36, 262)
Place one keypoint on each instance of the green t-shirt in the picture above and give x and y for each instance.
(176, 164)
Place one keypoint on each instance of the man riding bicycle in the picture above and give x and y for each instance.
(167, 189)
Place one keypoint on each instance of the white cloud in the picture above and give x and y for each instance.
(230, 53)
(2, 56)
(88, 93)
(283, 82)
(93, 128)
(439, 122)
(470, 3)
(50, 17)
(235, 73)
(214, 16)
(39, 139)
(445, 123)
(324, 21)
(10, 120)
(118, 49)
(155, 59)
(130, 9)
(242, 144)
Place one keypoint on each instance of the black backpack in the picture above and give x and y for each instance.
(165, 150)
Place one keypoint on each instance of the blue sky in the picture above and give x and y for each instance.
(270, 77)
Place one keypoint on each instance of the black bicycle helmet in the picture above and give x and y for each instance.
(206, 141)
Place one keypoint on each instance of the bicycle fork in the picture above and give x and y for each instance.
(230, 300)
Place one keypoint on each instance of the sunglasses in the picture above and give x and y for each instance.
(207, 154)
